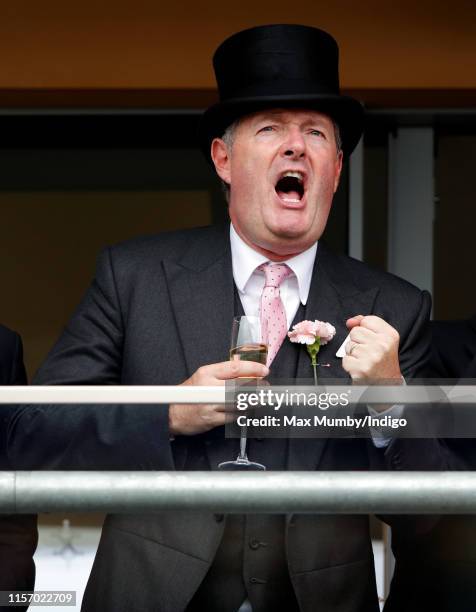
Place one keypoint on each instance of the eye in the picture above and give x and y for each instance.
(266, 128)
(315, 132)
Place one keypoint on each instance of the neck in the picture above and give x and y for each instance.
(269, 254)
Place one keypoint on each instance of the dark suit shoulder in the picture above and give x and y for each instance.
(170, 245)
(342, 269)
(140, 261)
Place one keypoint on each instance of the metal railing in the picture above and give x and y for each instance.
(241, 492)
(167, 394)
(111, 394)
(267, 492)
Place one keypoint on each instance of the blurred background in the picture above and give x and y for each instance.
(98, 111)
(99, 104)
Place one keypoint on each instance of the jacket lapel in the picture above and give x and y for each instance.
(201, 291)
(333, 297)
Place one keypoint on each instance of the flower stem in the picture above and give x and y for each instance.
(313, 350)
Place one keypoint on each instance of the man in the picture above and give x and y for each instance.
(18, 534)
(159, 312)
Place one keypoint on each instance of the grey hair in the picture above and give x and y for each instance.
(229, 134)
(337, 136)
(228, 138)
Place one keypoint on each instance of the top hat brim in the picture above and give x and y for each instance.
(347, 112)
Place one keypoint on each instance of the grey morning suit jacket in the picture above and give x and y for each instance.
(159, 308)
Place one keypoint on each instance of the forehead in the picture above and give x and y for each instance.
(286, 115)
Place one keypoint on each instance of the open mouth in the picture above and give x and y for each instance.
(290, 187)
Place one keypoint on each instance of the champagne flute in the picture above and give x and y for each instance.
(249, 342)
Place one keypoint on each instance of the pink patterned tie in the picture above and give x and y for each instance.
(272, 307)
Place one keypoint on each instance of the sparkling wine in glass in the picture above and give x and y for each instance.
(249, 342)
(250, 352)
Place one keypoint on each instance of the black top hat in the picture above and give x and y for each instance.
(279, 66)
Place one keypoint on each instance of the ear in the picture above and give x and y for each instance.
(221, 159)
(338, 170)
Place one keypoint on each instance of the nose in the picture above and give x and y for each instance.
(293, 146)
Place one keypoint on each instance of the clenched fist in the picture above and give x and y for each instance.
(372, 351)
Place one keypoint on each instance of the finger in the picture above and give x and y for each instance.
(215, 373)
(213, 415)
(230, 417)
(361, 335)
(353, 321)
(240, 369)
(351, 365)
(230, 407)
(352, 349)
(378, 325)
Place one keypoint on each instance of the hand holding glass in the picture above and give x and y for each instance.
(249, 342)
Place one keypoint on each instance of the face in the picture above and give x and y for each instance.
(283, 170)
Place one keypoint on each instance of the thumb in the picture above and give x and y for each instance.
(354, 321)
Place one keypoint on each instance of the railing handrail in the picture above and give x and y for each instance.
(269, 492)
(166, 394)
(111, 394)
(242, 492)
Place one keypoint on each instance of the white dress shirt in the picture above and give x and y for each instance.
(250, 282)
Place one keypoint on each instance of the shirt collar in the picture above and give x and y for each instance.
(245, 260)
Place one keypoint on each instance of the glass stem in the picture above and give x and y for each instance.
(314, 367)
(243, 441)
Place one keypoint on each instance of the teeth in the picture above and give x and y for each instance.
(296, 175)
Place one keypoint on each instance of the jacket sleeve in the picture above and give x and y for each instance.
(81, 437)
(415, 339)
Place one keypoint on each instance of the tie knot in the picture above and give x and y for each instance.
(275, 273)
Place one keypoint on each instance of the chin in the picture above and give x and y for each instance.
(292, 231)
(289, 242)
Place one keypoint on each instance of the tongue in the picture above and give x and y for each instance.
(289, 195)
